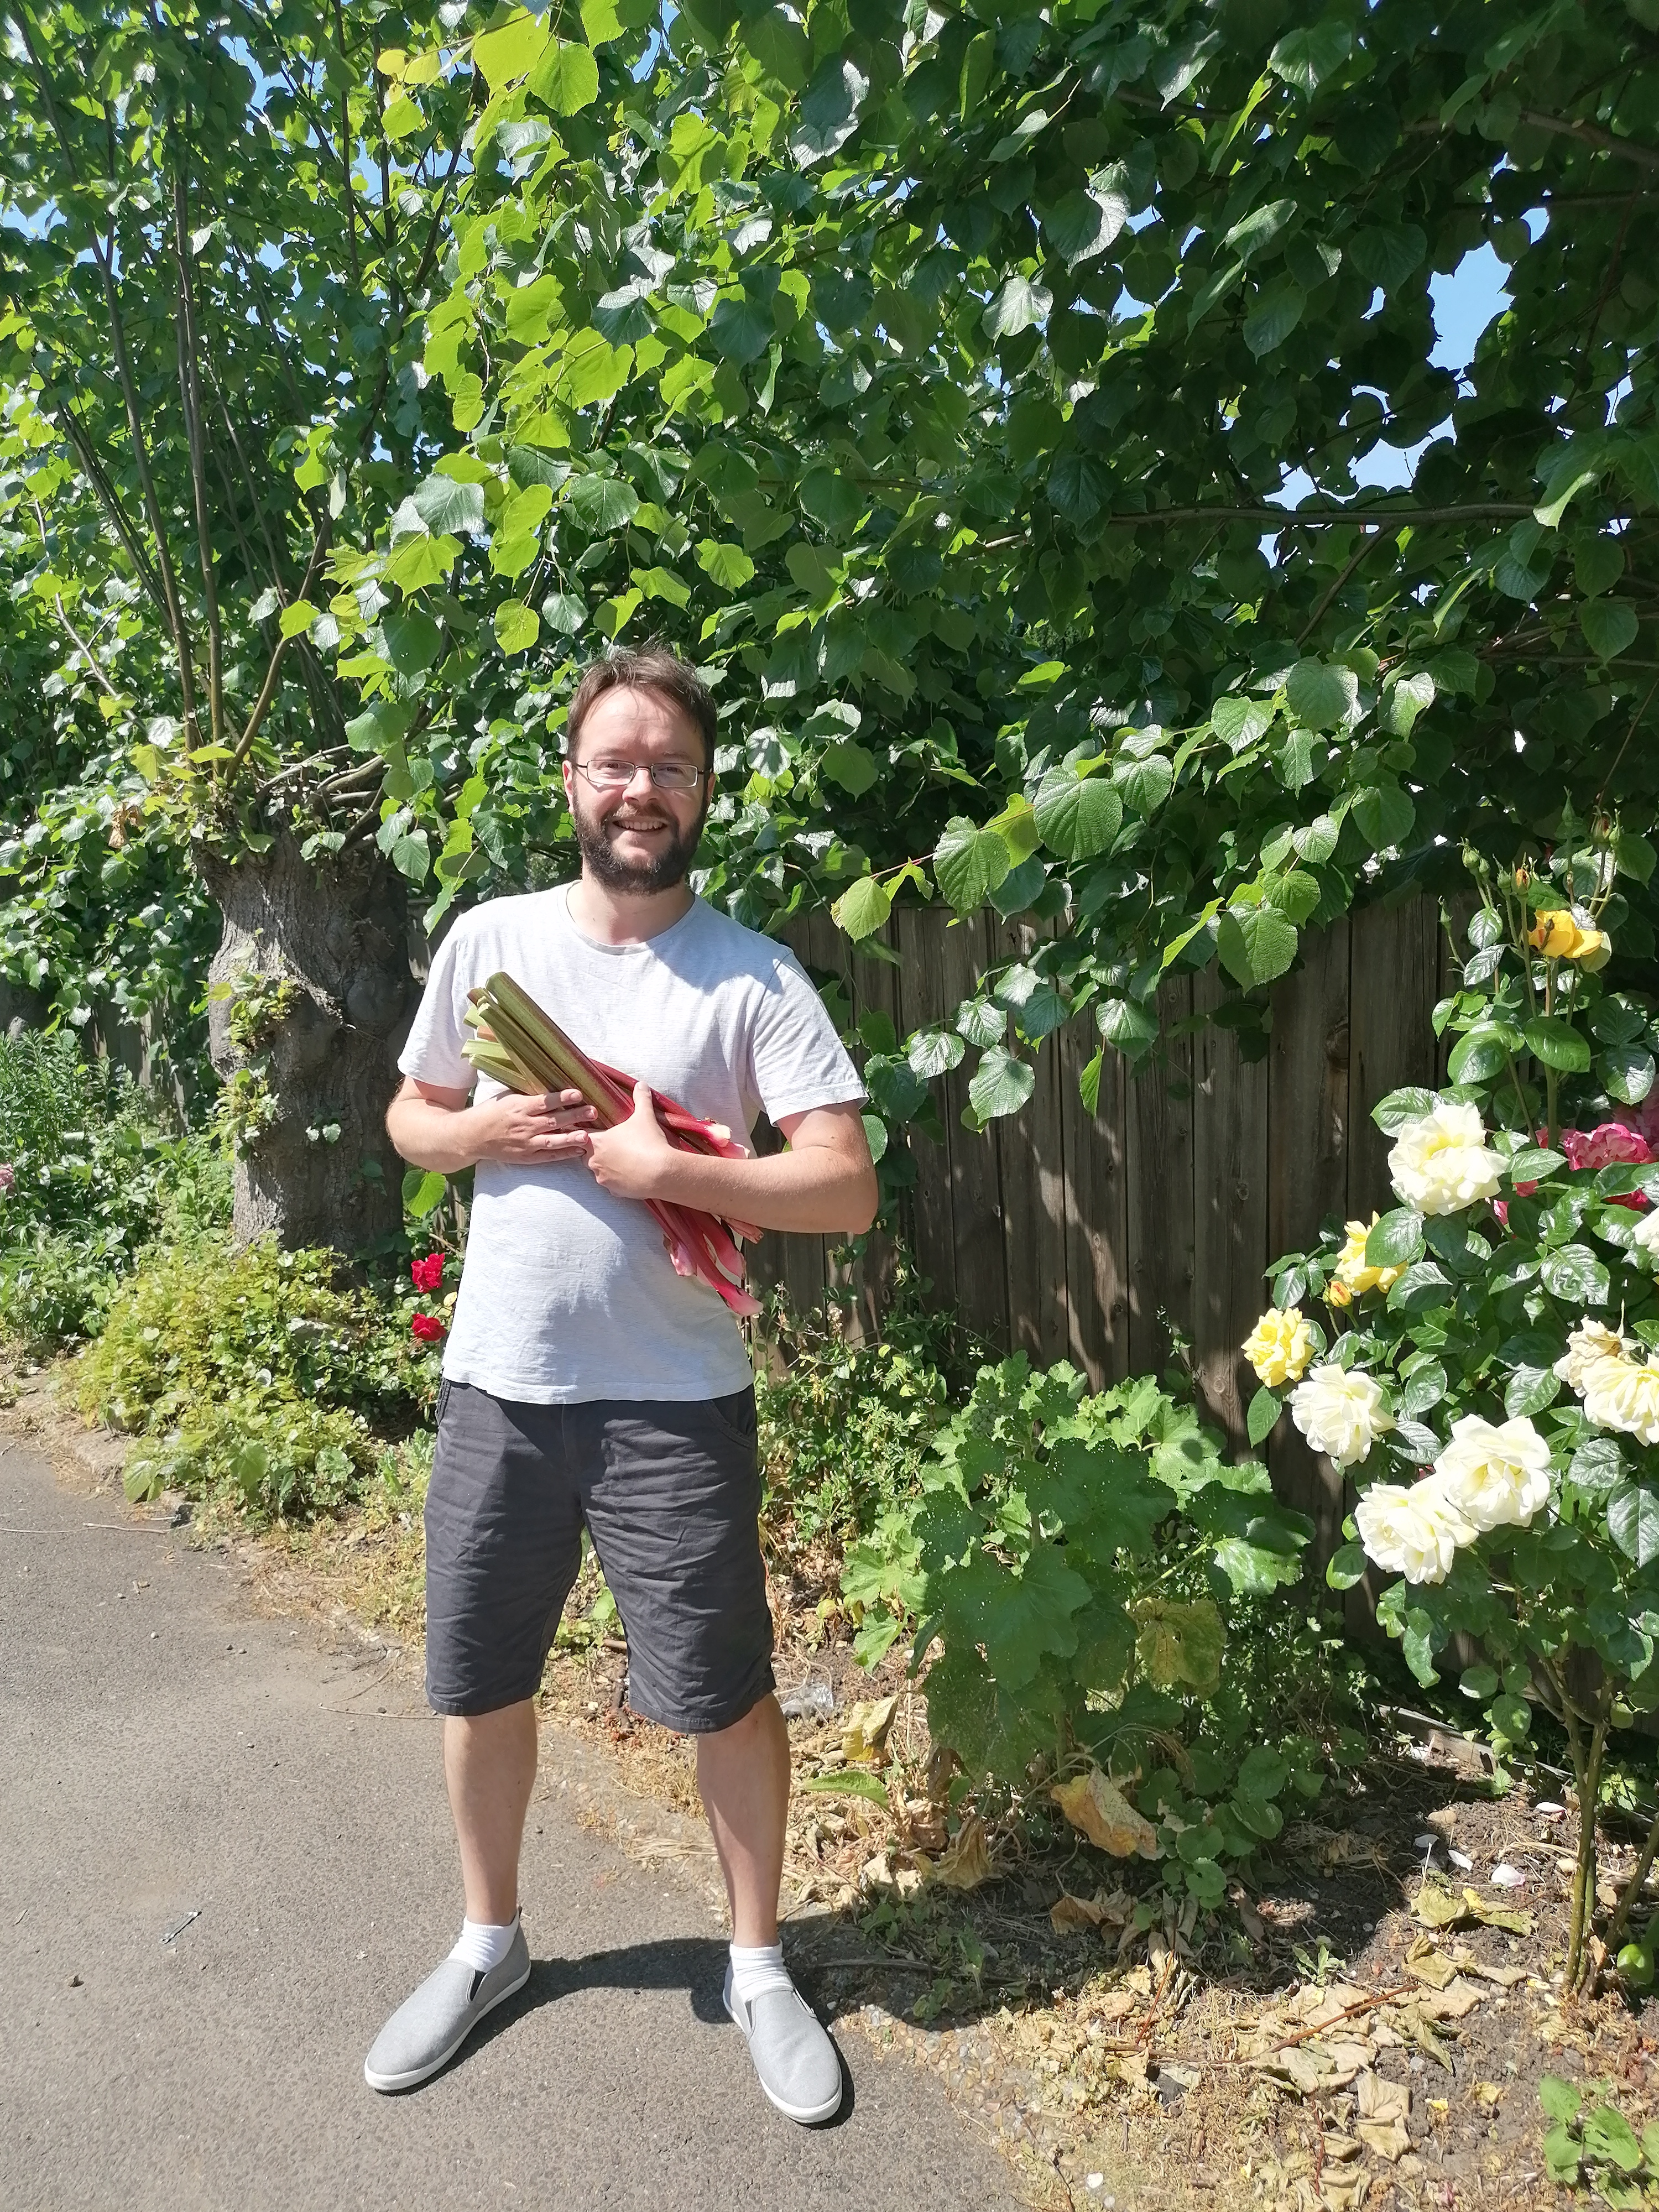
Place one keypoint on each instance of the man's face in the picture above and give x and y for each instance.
(637, 838)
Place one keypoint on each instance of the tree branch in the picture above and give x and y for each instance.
(268, 688)
(1591, 134)
(190, 393)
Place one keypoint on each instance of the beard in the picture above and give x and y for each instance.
(666, 868)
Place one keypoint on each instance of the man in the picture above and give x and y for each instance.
(585, 1383)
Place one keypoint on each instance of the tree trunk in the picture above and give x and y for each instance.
(310, 996)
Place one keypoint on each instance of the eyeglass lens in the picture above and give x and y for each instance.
(666, 775)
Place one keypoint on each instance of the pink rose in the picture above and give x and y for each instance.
(8, 1176)
(1612, 1144)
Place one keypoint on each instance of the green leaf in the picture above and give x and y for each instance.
(1275, 313)
(740, 329)
(517, 626)
(1559, 2099)
(1608, 2135)
(934, 1052)
(849, 1782)
(1529, 1389)
(445, 504)
(1396, 1240)
(1385, 815)
(566, 78)
(1321, 693)
(862, 909)
(829, 109)
(1239, 722)
(1001, 1084)
(504, 55)
(1264, 1412)
(1479, 1683)
(780, 47)
(1573, 1273)
(1597, 1466)
(1409, 1104)
(969, 863)
(1131, 1028)
(1512, 1717)
(1305, 58)
(727, 565)
(1020, 303)
(1557, 1044)
(851, 765)
(1346, 1567)
(1561, 2156)
(1609, 626)
(1145, 784)
(423, 1192)
(1404, 701)
(1533, 1163)
(1480, 1054)
(1633, 1522)
(1255, 944)
(1077, 816)
(601, 504)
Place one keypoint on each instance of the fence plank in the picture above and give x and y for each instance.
(1033, 1196)
(1230, 1189)
(1160, 1126)
(876, 989)
(1308, 1174)
(921, 949)
(1097, 1210)
(976, 1160)
(1393, 981)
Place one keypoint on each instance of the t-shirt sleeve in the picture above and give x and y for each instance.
(798, 1060)
(433, 1053)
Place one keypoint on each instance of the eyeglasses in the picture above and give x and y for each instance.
(674, 775)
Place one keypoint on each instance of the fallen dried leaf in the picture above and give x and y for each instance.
(1381, 2100)
(1098, 1809)
(865, 1729)
(1388, 2138)
(967, 1863)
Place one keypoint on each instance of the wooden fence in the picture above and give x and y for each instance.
(1083, 1237)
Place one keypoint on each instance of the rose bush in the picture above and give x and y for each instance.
(1492, 1380)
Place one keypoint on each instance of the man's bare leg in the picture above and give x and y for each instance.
(743, 1773)
(490, 1764)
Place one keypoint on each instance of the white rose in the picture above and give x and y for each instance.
(1440, 1162)
(1646, 1238)
(1624, 1394)
(1589, 1342)
(1496, 1475)
(1414, 1531)
(1339, 1412)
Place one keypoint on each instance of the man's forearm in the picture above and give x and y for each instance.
(815, 1191)
(442, 1138)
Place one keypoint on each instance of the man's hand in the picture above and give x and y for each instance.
(633, 1159)
(519, 1131)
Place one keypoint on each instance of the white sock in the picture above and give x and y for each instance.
(483, 1947)
(757, 1968)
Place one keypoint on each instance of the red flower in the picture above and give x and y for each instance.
(428, 1327)
(427, 1275)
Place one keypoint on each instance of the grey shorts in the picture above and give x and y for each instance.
(670, 1495)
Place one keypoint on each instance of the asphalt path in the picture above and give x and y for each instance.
(221, 1867)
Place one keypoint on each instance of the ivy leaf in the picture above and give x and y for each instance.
(969, 863)
(1077, 816)
(1001, 1084)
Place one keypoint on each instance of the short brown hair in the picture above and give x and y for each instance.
(654, 667)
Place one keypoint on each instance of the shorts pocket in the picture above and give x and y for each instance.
(444, 1388)
(735, 1414)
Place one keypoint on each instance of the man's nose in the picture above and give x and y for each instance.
(642, 770)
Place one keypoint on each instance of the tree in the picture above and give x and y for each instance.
(227, 227)
(941, 382)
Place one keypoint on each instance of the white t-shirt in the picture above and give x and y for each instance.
(568, 1293)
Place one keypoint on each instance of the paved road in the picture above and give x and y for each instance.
(163, 1752)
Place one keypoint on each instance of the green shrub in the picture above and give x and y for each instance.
(54, 1290)
(1097, 1584)
(208, 1325)
(844, 1427)
(269, 1452)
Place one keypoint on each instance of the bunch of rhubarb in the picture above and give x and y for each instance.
(517, 1045)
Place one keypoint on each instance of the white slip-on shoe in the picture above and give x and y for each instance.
(427, 2029)
(799, 2066)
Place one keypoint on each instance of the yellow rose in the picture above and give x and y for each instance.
(1279, 1346)
(1558, 936)
(1353, 1273)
